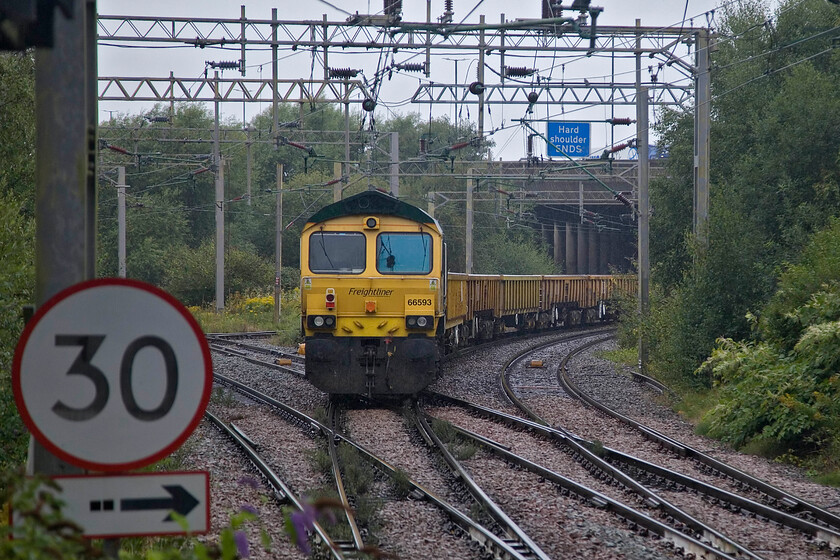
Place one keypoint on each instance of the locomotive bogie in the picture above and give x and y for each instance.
(371, 366)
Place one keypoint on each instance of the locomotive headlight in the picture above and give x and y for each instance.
(419, 322)
(320, 321)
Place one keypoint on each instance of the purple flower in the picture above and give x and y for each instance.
(249, 508)
(303, 521)
(249, 481)
(241, 540)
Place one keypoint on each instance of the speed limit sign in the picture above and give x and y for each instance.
(112, 374)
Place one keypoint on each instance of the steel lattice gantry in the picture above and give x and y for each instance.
(673, 81)
(545, 37)
(116, 88)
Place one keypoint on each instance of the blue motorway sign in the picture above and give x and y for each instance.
(567, 139)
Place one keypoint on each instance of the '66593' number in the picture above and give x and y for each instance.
(102, 391)
(419, 301)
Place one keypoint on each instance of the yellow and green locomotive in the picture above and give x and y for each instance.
(378, 306)
(372, 277)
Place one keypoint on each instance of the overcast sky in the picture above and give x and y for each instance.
(189, 62)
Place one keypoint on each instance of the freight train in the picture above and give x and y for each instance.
(379, 307)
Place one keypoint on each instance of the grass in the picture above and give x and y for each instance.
(253, 314)
(460, 447)
(628, 357)
(358, 478)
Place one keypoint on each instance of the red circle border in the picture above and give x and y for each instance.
(80, 287)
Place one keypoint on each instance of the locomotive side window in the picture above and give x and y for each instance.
(404, 253)
(337, 252)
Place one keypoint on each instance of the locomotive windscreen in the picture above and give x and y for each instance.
(337, 252)
(404, 253)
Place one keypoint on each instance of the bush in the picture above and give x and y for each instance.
(509, 252)
(785, 388)
(17, 279)
(191, 276)
(817, 270)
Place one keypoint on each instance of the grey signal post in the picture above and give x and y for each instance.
(278, 245)
(702, 138)
(644, 221)
(219, 164)
(65, 171)
(121, 220)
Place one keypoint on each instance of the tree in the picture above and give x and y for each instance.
(17, 232)
(17, 127)
(775, 146)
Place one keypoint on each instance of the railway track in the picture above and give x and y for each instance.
(517, 547)
(667, 484)
(555, 490)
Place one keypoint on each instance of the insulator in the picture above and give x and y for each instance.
(119, 150)
(393, 7)
(224, 64)
(422, 145)
(343, 73)
(622, 120)
(518, 71)
(448, 7)
(411, 66)
(623, 199)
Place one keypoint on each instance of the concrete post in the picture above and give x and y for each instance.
(278, 244)
(121, 220)
(469, 233)
(220, 203)
(644, 219)
(395, 163)
(582, 251)
(702, 143)
(571, 250)
(65, 169)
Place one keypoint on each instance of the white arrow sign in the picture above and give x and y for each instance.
(108, 506)
(112, 374)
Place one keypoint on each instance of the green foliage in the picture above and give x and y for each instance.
(17, 127)
(191, 275)
(16, 290)
(42, 532)
(766, 200)
(816, 270)
(785, 388)
(249, 314)
(512, 252)
(461, 447)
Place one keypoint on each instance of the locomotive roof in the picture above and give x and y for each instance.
(372, 202)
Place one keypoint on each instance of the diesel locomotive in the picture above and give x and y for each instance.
(378, 307)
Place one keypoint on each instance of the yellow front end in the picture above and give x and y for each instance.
(371, 303)
(372, 306)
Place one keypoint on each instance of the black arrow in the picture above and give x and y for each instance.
(181, 501)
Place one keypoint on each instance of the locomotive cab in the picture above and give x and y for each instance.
(372, 296)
